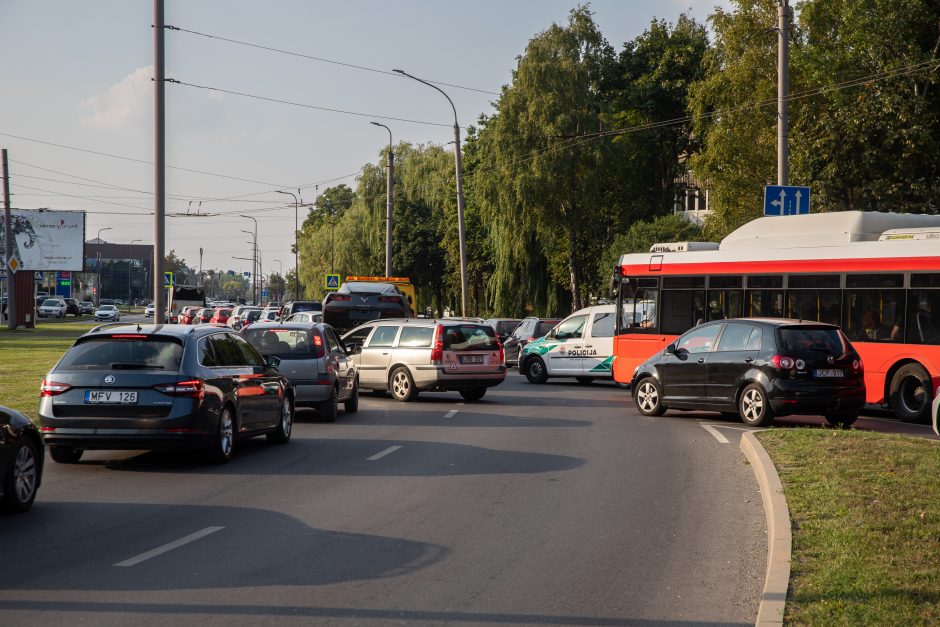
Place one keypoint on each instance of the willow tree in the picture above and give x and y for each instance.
(540, 170)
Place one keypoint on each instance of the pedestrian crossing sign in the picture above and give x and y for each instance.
(168, 280)
(332, 282)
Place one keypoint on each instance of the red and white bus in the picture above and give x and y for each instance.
(877, 275)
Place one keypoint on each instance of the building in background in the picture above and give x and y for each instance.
(125, 271)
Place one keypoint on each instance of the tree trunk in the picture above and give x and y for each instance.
(573, 271)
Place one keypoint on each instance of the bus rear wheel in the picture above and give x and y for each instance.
(910, 394)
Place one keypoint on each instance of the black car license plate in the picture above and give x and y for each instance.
(364, 314)
(110, 397)
(471, 359)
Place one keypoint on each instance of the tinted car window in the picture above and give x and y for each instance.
(543, 327)
(206, 354)
(112, 353)
(470, 337)
(802, 338)
(226, 350)
(416, 337)
(735, 337)
(383, 336)
(504, 327)
(251, 356)
(300, 306)
(603, 325)
(700, 340)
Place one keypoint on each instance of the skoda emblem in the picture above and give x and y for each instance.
(831, 359)
(109, 379)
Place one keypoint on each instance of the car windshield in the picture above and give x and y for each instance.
(283, 343)
(124, 353)
(253, 315)
(826, 339)
(107, 308)
(50, 302)
(470, 337)
(224, 313)
(361, 287)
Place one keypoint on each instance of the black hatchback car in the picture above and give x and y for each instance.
(160, 387)
(21, 458)
(757, 368)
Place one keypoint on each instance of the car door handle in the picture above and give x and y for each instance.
(701, 360)
(748, 360)
(588, 346)
(385, 353)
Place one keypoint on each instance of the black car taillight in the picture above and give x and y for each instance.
(194, 388)
(340, 297)
(390, 299)
(782, 363)
(52, 388)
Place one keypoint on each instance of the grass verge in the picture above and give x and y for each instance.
(865, 510)
(26, 355)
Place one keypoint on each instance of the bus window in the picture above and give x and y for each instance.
(818, 305)
(763, 303)
(681, 310)
(923, 317)
(874, 315)
(725, 304)
(638, 306)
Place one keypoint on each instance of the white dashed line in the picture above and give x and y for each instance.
(387, 451)
(716, 433)
(160, 550)
(730, 427)
(451, 413)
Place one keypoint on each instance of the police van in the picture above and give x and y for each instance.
(580, 346)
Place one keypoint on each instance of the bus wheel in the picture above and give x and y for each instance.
(909, 394)
(535, 370)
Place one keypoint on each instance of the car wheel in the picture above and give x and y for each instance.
(221, 449)
(402, 385)
(584, 380)
(909, 394)
(22, 477)
(351, 404)
(473, 394)
(754, 407)
(286, 424)
(535, 370)
(65, 455)
(649, 397)
(328, 408)
(843, 421)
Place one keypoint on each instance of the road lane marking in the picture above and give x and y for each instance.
(387, 451)
(451, 413)
(720, 426)
(160, 550)
(715, 432)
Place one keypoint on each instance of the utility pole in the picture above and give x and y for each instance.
(159, 200)
(296, 227)
(389, 202)
(8, 245)
(784, 15)
(200, 267)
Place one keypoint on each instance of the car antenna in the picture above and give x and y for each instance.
(138, 327)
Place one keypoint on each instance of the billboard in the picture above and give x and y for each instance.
(47, 240)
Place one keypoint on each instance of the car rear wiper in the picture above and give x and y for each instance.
(120, 366)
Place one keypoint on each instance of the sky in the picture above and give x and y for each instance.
(76, 110)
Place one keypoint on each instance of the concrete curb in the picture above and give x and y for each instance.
(779, 540)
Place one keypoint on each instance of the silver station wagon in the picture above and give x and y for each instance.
(409, 356)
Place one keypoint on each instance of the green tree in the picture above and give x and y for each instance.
(177, 265)
(642, 235)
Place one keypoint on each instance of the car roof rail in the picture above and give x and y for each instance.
(108, 324)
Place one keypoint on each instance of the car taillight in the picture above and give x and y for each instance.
(437, 350)
(389, 299)
(858, 366)
(783, 363)
(502, 353)
(318, 350)
(52, 388)
(340, 297)
(194, 388)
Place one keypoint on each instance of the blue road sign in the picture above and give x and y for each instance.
(39, 277)
(168, 280)
(232, 272)
(264, 293)
(785, 200)
(3, 275)
(246, 273)
(332, 282)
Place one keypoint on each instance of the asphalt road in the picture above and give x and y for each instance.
(552, 505)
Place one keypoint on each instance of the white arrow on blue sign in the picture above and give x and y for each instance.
(264, 293)
(786, 200)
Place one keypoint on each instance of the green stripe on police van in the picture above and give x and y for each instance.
(604, 366)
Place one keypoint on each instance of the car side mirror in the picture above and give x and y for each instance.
(671, 349)
(353, 349)
(272, 362)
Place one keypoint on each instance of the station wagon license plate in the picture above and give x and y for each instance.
(110, 397)
(830, 373)
(471, 359)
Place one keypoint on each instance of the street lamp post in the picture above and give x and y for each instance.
(460, 224)
(252, 260)
(296, 266)
(130, 253)
(98, 264)
(254, 257)
(280, 276)
(389, 191)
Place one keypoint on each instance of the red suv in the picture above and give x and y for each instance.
(221, 316)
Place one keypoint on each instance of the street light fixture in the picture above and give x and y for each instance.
(98, 264)
(389, 191)
(296, 266)
(460, 224)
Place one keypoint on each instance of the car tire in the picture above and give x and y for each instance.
(910, 394)
(843, 421)
(285, 424)
(223, 444)
(22, 477)
(329, 407)
(584, 380)
(351, 404)
(535, 370)
(754, 406)
(402, 385)
(65, 454)
(649, 397)
(473, 394)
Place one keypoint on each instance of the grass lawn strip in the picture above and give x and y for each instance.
(26, 355)
(865, 509)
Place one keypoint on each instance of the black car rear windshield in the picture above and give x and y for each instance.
(124, 352)
(283, 343)
(470, 337)
(809, 338)
(302, 306)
